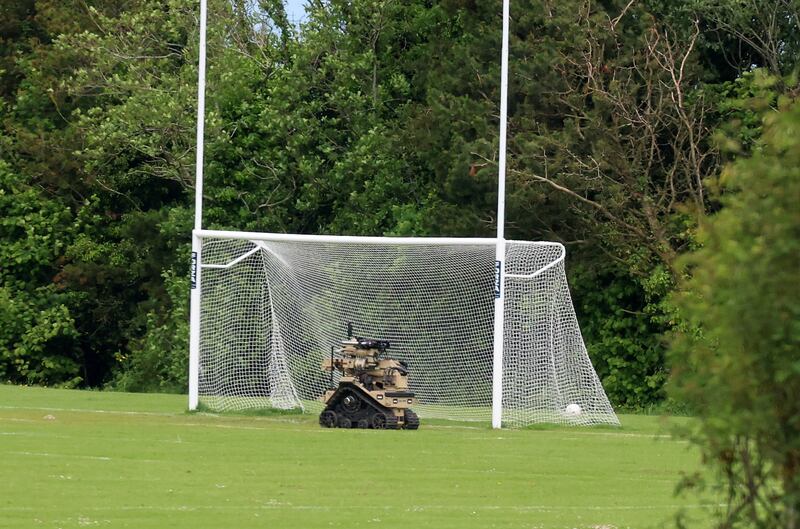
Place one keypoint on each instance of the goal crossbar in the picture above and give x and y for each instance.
(258, 239)
(350, 239)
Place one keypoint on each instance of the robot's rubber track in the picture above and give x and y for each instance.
(350, 407)
(411, 420)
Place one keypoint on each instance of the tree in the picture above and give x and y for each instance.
(737, 360)
(619, 131)
(38, 334)
(752, 32)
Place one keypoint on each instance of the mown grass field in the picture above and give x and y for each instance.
(72, 459)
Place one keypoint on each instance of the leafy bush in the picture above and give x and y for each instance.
(37, 332)
(620, 335)
(159, 360)
(737, 361)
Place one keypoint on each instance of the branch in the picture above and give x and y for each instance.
(596, 205)
(622, 14)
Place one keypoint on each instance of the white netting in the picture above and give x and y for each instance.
(272, 309)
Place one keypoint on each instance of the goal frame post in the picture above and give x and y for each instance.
(499, 241)
(500, 251)
(197, 244)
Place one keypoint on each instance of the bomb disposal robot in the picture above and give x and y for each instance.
(373, 389)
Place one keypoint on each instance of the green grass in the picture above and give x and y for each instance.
(71, 459)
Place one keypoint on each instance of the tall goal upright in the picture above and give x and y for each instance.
(487, 325)
(197, 248)
(500, 245)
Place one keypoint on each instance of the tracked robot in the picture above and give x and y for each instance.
(372, 391)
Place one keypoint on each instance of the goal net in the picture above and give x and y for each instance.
(273, 305)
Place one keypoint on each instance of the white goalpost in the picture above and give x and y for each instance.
(194, 302)
(500, 244)
(486, 325)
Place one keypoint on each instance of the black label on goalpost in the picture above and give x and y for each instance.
(498, 281)
(193, 273)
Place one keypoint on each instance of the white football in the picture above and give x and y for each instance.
(572, 410)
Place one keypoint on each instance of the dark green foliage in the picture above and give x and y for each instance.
(158, 360)
(619, 331)
(737, 360)
(38, 334)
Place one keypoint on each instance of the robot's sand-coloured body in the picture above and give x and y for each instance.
(373, 390)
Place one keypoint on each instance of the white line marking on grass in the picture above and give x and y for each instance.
(78, 456)
(177, 415)
(268, 506)
(161, 414)
(257, 428)
(577, 436)
(82, 410)
(454, 427)
(545, 475)
(651, 436)
(225, 426)
(47, 435)
(48, 454)
(50, 435)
